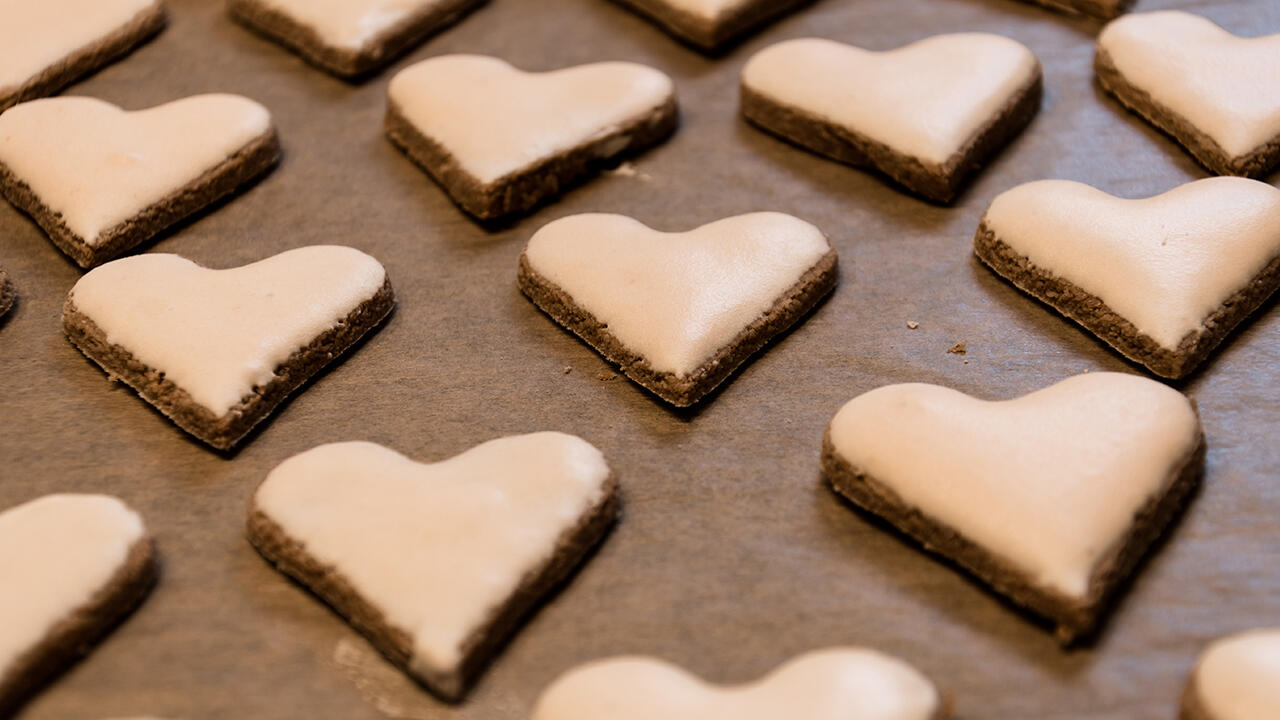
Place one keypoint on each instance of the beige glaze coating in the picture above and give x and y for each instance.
(36, 34)
(349, 24)
(1238, 677)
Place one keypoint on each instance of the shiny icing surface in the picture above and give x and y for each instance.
(36, 34)
(349, 24)
(1050, 482)
(98, 165)
(1164, 263)
(1238, 677)
(495, 119)
(676, 298)
(218, 334)
(56, 552)
(1227, 86)
(834, 684)
(925, 100)
(705, 9)
(436, 547)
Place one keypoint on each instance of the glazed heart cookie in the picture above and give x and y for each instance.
(1162, 280)
(927, 115)
(833, 684)
(100, 180)
(1051, 498)
(349, 38)
(1218, 95)
(679, 312)
(436, 564)
(711, 24)
(1237, 678)
(72, 567)
(217, 350)
(49, 44)
(501, 140)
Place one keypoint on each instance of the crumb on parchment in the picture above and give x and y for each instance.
(912, 324)
(567, 370)
(606, 376)
(958, 349)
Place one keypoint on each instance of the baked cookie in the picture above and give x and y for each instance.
(1051, 499)
(100, 181)
(217, 350)
(1101, 9)
(72, 566)
(436, 564)
(679, 312)
(928, 114)
(711, 24)
(1163, 280)
(1218, 95)
(832, 684)
(7, 293)
(45, 45)
(500, 140)
(1237, 678)
(349, 38)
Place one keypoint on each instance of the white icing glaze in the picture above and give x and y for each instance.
(496, 119)
(350, 24)
(55, 553)
(834, 684)
(1163, 263)
(36, 34)
(1049, 481)
(676, 298)
(219, 333)
(437, 548)
(705, 9)
(1238, 677)
(1227, 86)
(925, 100)
(98, 165)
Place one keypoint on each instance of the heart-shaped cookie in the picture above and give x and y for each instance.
(1161, 279)
(72, 566)
(927, 114)
(437, 563)
(1051, 498)
(501, 140)
(349, 37)
(217, 350)
(679, 312)
(47, 45)
(711, 24)
(100, 180)
(832, 684)
(1218, 95)
(1237, 678)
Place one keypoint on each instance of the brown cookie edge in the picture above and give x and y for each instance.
(8, 293)
(712, 35)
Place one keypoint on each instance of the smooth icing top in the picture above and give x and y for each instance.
(1049, 481)
(56, 552)
(705, 9)
(350, 24)
(98, 165)
(834, 684)
(1227, 86)
(218, 334)
(676, 298)
(925, 100)
(496, 119)
(1238, 677)
(1163, 263)
(437, 548)
(36, 34)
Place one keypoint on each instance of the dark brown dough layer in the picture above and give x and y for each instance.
(1101, 9)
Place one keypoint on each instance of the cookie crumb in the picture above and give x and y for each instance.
(912, 324)
(568, 370)
(629, 170)
(958, 349)
(606, 376)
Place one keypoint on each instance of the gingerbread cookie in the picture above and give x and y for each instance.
(1052, 499)
(1163, 280)
(711, 24)
(1218, 95)
(1237, 678)
(45, 45)
(217, 350)
(72, 567)
(832, 684)
(352, 37)
(500, 141)
(679, 312)
(99, 180)
(436, 564)
(927, 115)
